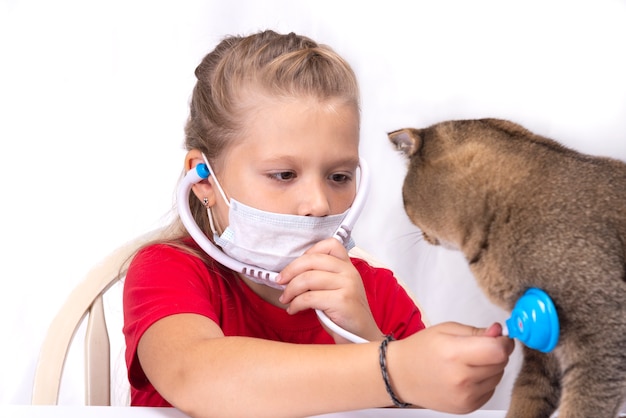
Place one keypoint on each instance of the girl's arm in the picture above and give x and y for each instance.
(192, 365)
(198, 370)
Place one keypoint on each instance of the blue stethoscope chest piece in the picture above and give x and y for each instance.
(534, 321)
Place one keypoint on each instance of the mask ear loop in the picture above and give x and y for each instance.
(219, 188)
(217, 183)
(211, 224)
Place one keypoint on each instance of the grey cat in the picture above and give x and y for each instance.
(529, 212)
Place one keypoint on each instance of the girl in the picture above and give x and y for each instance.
(276, 117)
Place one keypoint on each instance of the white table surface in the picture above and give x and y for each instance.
(29, 411)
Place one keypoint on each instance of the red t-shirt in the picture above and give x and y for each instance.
(163, 280)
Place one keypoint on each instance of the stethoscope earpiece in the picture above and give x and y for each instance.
(203, 171)
(534, 321)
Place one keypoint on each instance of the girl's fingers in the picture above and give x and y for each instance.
(310, 262)
(318, 299)
(310, 280)
(329, 246)
(307, 283)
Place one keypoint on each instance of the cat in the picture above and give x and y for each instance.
(527, 212)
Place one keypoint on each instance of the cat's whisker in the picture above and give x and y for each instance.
(411, 244)
(417, 236)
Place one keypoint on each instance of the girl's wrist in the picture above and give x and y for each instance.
(386, 375)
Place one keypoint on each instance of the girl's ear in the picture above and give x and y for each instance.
(203, 189)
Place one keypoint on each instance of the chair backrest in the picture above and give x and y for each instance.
(84, 301)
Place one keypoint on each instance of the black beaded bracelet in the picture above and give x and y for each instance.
(383, 368)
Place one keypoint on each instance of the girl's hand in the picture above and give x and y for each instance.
(449, 367)
(324, 278)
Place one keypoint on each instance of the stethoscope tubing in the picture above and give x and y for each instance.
(201, 172)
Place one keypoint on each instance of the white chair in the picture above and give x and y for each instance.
(86, 300)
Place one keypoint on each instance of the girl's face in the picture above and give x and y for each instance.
(296, 157)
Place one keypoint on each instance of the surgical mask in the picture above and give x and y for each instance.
(270, 240)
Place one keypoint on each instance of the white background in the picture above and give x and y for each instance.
(93, 99)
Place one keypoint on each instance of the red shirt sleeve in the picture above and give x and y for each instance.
(393, 308)
(160, 282)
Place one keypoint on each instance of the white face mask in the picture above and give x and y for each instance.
(270, 240)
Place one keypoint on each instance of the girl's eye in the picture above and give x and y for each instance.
(283, 175)
(340, 178)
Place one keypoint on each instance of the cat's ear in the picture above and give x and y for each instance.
(407, 140)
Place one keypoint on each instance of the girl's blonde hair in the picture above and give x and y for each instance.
(265, 63)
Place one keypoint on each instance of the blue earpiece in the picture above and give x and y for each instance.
(534, 321)
(203, 171)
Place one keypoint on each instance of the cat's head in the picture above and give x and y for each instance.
(455, 170)
(422, 191)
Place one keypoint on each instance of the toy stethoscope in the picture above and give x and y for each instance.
(201, 172)
(534, 320)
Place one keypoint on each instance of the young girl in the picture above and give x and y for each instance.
(276, 117)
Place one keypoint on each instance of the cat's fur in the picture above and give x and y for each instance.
(529, 212)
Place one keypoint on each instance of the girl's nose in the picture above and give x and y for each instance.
(314, 199)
